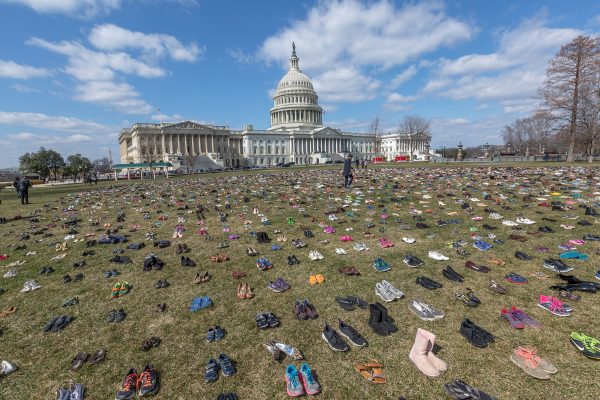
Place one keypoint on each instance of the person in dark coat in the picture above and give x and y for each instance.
(16, 186)
(347, 172)
(24, 185)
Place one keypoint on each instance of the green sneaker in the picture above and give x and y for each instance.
(124, 288)
(587, 345)
(116, 290)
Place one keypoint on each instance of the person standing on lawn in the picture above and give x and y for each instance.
(347, 172)
(23, 189)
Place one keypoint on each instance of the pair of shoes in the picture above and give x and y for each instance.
(475, 334)
(557, 265)
(335, 341)
(181, 248)
(518, 319)
(161, 284)
(299, 382)
(460, 390)
(116, 316)
(468, 298)
(428, 283)
(380, 265)
(308, 233)
(228, 396)
(58, 323)
(360, 247)
(388, 292)
(263, 264)
(110, 274)
(154, 341)
(380, 321)
(437, 256)
(75, 392)
(587, 345)
(516, 278)
(160, 307)
(251, 251)
(495, 287)
(215, 334)
(304, 310)
(522, 256)
(238, 274)
(476, 267)
(340, 251)
(349, 271)
(555, 306)
(212, 368)
(529, 361)
(145, 384)
(30, 285)
(221, 257)
(412, 261)
(349, 303)
(573, 254)
(199, 303)
(244, 291)
(7, 368)
(120, 289)
(297, 243)
(279, 285)
(201, 277)
(293, 260)
(282, 238)
(421, 355)
(451, 274)
(424, 311)
(187, 262)
(314, 279)
(8, 311)
(314, 255)
(82, 357)
(71, 301)
(385, 243)
(267, 320)
(371, 371)
(46, 270)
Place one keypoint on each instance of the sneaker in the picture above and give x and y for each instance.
(412, 261)
(553, 305)
(7, 368)
(527, 360)
(77, 391)
(311, 386)
(587, 345)
(351, 334)
(437, 256)
(420, 311)
(211, 372)
(11, 273)
(148, 384)
(408, 240)
(392, 289)
(227, 367)
(129, 386)
(292, 382)
(383, 292)
(333, 339)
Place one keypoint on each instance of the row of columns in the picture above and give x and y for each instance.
(188, 144)
(319, 145)
(300, 116)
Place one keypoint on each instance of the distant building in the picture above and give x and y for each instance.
(296, 134)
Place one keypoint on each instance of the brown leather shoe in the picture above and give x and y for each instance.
(518, 238)
(476, 267)
(497, 288)
(238, 274)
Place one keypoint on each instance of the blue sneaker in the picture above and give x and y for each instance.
(482, 245)
(292, 382)
(381, 265)
(310, 384)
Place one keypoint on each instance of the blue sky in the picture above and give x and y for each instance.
(74, 72)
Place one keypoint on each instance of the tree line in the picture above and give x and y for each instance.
(569, 113)
(48, 163)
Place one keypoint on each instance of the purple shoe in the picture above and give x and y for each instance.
(526, 319)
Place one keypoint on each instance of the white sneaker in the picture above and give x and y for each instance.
(26, 287)
(384, 293)
(508, 222)
(392, 289)
(437, 256)
(7, 368)
(340, 251)
(10, 273)
(408, 240)
(441, 203)
(523, 220)
(495, 216)
(34, 285)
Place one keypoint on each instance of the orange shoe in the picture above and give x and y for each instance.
(320, 278)
(312, 280)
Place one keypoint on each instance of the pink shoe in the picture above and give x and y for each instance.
(577, 242)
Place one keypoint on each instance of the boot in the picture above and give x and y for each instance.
(375, 321)
(438, 363)
(387, 321)
(418, 355)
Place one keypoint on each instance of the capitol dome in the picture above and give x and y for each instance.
(295, 103)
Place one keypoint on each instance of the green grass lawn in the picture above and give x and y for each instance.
(44, 360)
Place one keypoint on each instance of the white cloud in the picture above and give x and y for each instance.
(346, 84)
(24, 88)
(49, 139)
(398, 102)
(57, 123)
(109, 37)
(510, 75)
(241, 57)
(347, 35)
(84, 8)
(167, 118)
(404, 76)
(10, 69)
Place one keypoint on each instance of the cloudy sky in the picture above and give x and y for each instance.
(74, 72)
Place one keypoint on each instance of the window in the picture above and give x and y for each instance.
(254, 150)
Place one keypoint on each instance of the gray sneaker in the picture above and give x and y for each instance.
(416, 307)
(63, 394)
(392, 289)
(7, 368)
(77, 392)
(383, 292)
(434, 311)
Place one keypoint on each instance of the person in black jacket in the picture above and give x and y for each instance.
(23, 188)
(16, 186)
(347, 172)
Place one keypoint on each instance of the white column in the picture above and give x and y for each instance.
(162, 144)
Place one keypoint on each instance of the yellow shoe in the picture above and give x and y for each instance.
(320, 278)
(312, 280)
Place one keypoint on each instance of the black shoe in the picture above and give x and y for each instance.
(428, 283)
(67, 279)
(375, 320)
(583, 222)
(149, 383)
(545, 229)
(591, 237)
(452, 275)
(333, 339)
(475, 335)
(591, 212)
(261, 321)
(489, 227)
(412, 261)
(522, 256)
(345, 303)
(387, 321)
(351, 334)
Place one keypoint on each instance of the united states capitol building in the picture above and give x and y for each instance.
(296, 134)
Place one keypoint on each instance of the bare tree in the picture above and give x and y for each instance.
(566, 72)
(417, 128)
(190, 161)
(376, 133)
